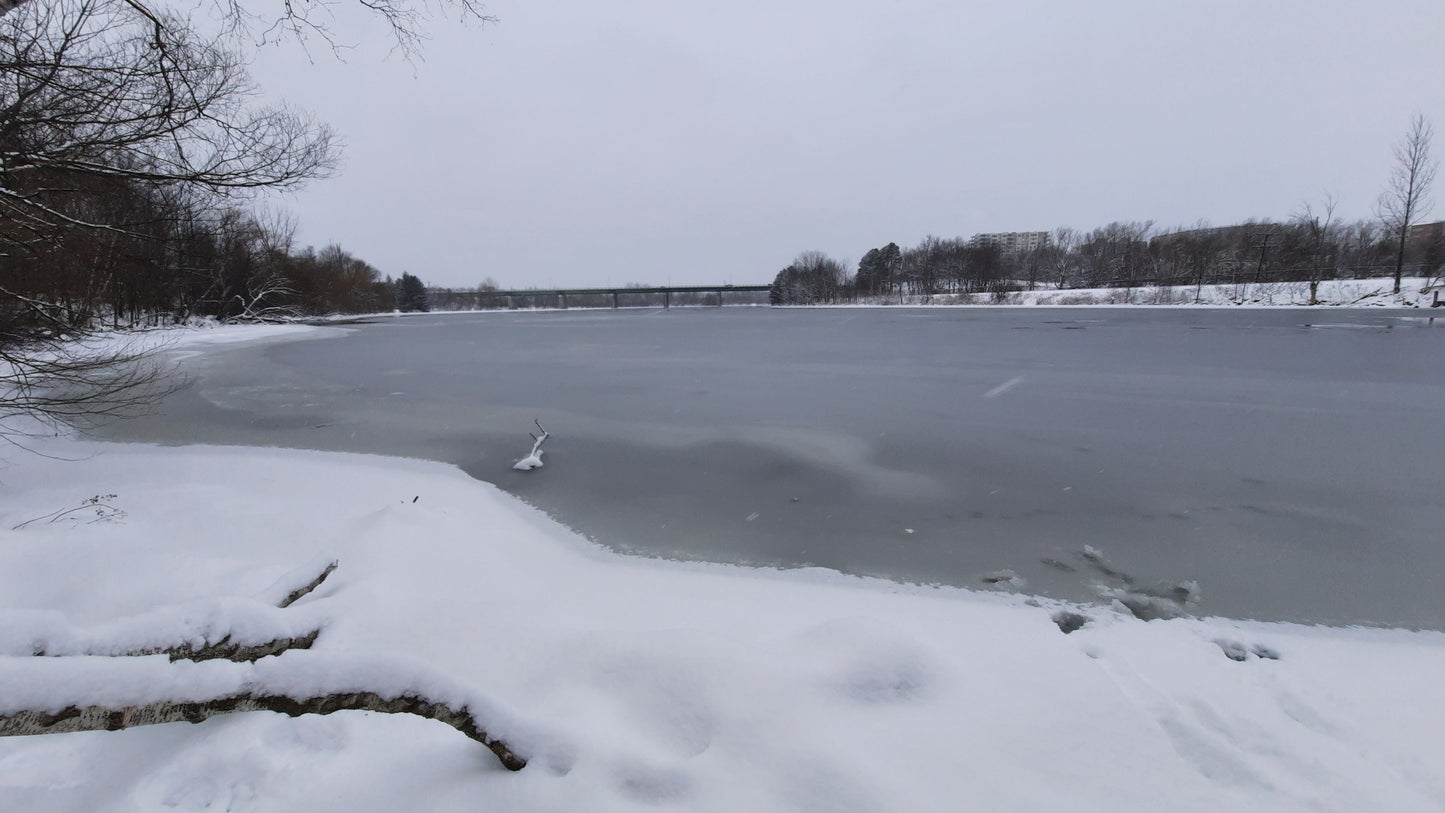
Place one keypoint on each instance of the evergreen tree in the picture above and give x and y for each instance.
(411, 294)
(776, 295)
(877, 270)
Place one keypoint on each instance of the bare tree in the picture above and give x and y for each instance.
(1062, 246)
(1318, 229)
(813, 278)
(105, 113)
(303, 22)
(1406, 199)
(94, 93)
(123, 139)
(1117, 255)
(125, 136)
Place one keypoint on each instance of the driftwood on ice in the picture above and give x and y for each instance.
(534, 459)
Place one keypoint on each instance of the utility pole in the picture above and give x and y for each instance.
(1263, 247)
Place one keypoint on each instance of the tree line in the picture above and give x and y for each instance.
(131, 153)
(182, 262)
(133, 150)
(1310, 246)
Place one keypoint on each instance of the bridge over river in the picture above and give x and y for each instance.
(637, 297)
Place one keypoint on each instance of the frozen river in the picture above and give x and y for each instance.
(1292, 462)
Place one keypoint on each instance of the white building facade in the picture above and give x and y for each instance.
(1012, 242)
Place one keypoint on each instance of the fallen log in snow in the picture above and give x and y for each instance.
(230, 628)
(106, 718)
(239, 651)
(60, 695)
(107, 678)
(295, 594)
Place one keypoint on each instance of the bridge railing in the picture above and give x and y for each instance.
(666, 297)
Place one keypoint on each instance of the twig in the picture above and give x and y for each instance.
(298, 593)
(104, 511)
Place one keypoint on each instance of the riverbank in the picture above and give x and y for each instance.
(1415, 292)
(636, 684)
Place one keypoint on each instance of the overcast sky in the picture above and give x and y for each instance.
(579, 143)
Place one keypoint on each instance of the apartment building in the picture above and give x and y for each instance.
(1012, 242)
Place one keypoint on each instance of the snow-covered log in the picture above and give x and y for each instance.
(59, 695)
(231, 628)
(110, 681)
(240, 651)
(289, 589)
(106, 718)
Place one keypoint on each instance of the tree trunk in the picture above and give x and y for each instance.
(1400, 257)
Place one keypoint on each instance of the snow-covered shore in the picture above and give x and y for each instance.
(643, 683)
(636, 683)
(1374, 292)
(1378, 292)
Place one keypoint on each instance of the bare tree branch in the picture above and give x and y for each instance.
(92, 91)
(304, 20)
(78, 384)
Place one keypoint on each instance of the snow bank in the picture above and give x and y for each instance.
(641, 683)
(1350, 293)
(1415, 292)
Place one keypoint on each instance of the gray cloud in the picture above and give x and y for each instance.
(591, 144)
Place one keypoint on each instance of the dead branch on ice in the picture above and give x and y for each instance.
(533, 460)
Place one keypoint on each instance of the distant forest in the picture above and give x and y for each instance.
(163, 261)
(1307, 248)
(129, 145)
